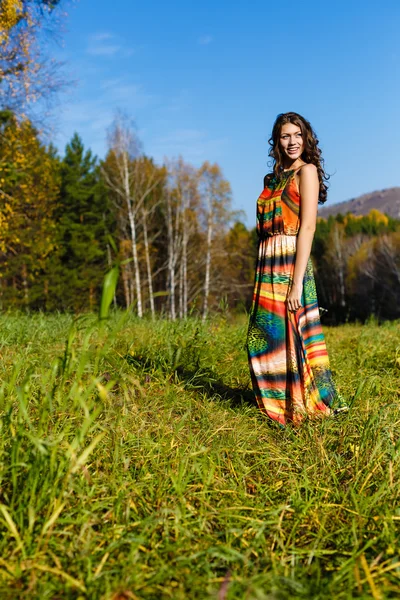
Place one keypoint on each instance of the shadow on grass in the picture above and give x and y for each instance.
(203, 380)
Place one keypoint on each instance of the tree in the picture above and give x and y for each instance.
(27, 74)
(181, 215)
(131, 182)
(151, 181)
(29, 180)
(80, 259)
(216, 195)
(374, 276)
(240, 258)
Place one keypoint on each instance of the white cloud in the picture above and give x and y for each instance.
(177, 103)
(119, 90)
(99, 37)
(180, 136)
(103, 50)
(91, 117)
(107, 44)
(195, 145)
(204, 40)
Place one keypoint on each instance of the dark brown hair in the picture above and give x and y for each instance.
(311, 152)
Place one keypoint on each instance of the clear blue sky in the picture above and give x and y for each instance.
(207, 80)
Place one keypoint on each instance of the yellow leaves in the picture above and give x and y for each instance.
(24, 76)
(351, 217)
(10, 12)
(378, 217)
(28, 187)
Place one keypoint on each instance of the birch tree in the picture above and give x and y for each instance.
(216, 196)
(336, 256)
(383, 269)
(182, 208)
(174, 233)
(149, 186)
(131, 178)
(119, 172)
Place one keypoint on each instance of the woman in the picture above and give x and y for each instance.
(288, 359)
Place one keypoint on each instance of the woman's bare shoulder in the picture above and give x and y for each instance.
(309, 169)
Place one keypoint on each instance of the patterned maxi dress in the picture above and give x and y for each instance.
(288, 359)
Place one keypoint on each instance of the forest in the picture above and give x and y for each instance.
(179, 245)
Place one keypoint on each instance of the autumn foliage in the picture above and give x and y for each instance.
(180, 246)
(27, 74)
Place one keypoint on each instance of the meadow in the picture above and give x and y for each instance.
(134, 464)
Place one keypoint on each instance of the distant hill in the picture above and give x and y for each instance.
(387, 201)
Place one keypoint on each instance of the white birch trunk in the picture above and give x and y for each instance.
(185, 240)
(132, 224)
(208, 259)
(171, 265)
(148, 264)
(339, 254)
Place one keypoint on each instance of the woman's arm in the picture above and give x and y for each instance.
(309, 192)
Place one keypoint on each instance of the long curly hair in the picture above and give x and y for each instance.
(311, 152)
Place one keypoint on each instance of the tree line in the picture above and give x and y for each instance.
(66, 221)
(357, 260)
(181, 248)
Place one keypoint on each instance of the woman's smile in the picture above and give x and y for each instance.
(291, 134)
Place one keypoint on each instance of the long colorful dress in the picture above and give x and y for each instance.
(288, 359)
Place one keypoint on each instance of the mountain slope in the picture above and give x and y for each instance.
(387, 201)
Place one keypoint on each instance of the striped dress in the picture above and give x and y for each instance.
(288, 359)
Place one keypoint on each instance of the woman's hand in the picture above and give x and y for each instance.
(294, 297)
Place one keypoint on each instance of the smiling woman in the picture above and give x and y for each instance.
(289, 363)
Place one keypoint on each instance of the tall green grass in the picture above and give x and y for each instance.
(135, 464)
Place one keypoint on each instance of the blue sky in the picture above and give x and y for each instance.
(207, 80)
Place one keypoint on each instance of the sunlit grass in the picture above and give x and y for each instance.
(134, 464)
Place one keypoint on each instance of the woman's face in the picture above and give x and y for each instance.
(291, 141)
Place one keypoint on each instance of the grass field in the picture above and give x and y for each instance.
(134, 464)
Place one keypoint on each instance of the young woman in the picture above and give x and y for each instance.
(288, 359)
